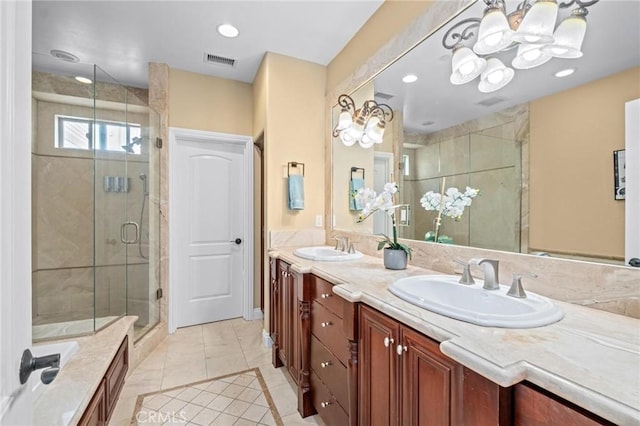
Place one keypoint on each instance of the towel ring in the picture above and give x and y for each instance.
(356, 170)
(295, 165)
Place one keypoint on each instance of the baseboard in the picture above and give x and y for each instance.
(257, 314)
(266, 339)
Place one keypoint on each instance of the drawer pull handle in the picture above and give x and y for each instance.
(325, 364)
(400, 349)
(325, 324)
(387, 342)
(325, 404)
(325, 295)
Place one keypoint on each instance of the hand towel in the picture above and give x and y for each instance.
(354, 186)
(296, 192)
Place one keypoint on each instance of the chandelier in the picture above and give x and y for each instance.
(364, 125)
(531, 29)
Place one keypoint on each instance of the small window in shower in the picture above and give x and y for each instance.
(87, 134)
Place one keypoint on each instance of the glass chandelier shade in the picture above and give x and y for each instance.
(530, 56)
(367, 128)
(568, 38)
(494, 33)
(495, 76)
(538, 23)
(465, 65)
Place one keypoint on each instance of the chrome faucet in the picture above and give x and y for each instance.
(342, 243)
(490, 271)
(466, 277)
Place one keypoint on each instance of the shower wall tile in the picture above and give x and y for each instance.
(427, 162)
(495, 220)
(489, 152)
(111, 290)
(62, 212)
(62, 295)
(454, 156)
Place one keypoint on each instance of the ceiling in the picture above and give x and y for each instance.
(611, 44)
(121, 37)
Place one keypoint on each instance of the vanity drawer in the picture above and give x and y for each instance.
(325, 403)
(328, 328)
(333, 374)
(322, 292)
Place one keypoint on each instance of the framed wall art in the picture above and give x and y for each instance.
(619, 174)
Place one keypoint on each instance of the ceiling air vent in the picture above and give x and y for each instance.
(210, 58)
(381, 95)
(491, 101)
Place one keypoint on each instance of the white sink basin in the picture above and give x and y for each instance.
(471, 303)
(326, 254)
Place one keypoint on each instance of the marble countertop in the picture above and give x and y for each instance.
(590, 357)
(64, 400)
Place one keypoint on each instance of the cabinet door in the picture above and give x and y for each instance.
(275, 312)
(534, 406)
(429, 382)
(284, 335)
(293, 319)
(96, 413)
(378, 369)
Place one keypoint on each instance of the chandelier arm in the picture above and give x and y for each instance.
(460, 32)
(384, 111)
(581, 3)
(345, 101)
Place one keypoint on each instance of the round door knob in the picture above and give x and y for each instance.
(325, 324)
(325, 404)
(237, 241)
(325, 364)
(325, 295)
(387, 341)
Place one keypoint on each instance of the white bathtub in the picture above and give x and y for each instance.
(66, 351)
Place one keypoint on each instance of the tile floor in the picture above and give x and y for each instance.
(205, 351)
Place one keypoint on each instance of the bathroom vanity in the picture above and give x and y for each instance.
(360, 355)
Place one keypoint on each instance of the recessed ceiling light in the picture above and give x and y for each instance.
(564, 73)
(84, 80)
(410, 78)
(228, 30)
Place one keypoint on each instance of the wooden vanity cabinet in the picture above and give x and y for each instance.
(104, 400)
(534, 406)
(284, 317)
(406, 380)
(330, 339)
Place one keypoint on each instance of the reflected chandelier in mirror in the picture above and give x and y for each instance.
(476, 42)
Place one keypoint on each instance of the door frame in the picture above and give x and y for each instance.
(15, 207)
(632, 190)
(180, 134)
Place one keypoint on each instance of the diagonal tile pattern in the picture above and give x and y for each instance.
(211, 402)
(194, 354)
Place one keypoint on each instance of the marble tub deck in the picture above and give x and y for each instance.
(590, 357)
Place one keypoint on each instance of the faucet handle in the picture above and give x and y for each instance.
(466, 277)
(339, 242)
(516, 289)
(352, 248)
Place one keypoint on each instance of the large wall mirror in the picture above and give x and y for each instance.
(540, 149)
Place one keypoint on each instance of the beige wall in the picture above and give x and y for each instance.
(294, 131)
(571, 195)
(343, 158)
(391, 18)
(207, 103)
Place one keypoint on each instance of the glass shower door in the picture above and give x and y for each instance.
(113, 232)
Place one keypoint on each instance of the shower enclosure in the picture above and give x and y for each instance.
(95, 204)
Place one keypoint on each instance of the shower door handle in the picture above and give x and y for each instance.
(123, 232)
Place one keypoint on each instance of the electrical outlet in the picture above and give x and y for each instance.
(318, 221)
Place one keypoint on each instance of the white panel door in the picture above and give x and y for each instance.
(15, 208)
(209, 217)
